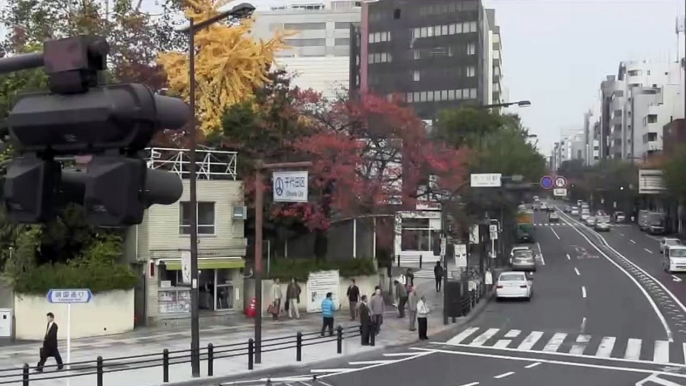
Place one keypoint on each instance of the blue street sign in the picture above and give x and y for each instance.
(547, 182)
(70, 296)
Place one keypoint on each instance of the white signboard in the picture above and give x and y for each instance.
(290, 186)
(474, 234)
(460, 255)
(318, 284)
(493, 229)
(560, 192)
(69, 296)
(186, 267)
(444, 246)
(650, 182)
(486, 180)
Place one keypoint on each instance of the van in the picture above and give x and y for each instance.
(675, 259)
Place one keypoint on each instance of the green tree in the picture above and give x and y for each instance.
(674, 169)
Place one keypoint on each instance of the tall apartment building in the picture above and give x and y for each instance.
(591, 137)
(496, 46)
(434, 54)
(319, 43)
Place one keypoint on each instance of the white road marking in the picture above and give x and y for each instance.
(655, 379)
(583, 291)
(481, 339)
(661, 351)
(633, 349)
(365, 363)
(676, 278)
(621, 234)
(325, 371)
(319, 382)
(555, 233)
(470, 384)
(502, 343)
(402, 354)
(583, 325)
(577, 272)
(606, 346)
(530, 340)
(568, 258)
(513, 333)
(463, 335)
(531, 366)
(647, 250)
(582, 341)
(632, 241)
(507, 374)
(540, 253)
(662, 318)
(557, 362)
(358, 369)
(555, 342)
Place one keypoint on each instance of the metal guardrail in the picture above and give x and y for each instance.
(100, 366)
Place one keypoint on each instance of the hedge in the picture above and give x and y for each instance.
(285, 269)
(96, 276)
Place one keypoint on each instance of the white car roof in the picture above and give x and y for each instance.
(670, 239)
(676, 246)
(513, 273)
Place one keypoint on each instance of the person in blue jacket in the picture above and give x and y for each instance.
(327, 313)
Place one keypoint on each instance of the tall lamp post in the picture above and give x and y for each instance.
(240, 11)
(524, 103)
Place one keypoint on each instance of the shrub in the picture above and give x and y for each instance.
(285, 269)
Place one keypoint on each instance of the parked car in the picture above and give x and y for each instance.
(590, 221)
(524, 260)
(575, 211)
(667, 242)
(602, 224)
(553, 217)
(514, 285)
(674, 259)
(618, 217)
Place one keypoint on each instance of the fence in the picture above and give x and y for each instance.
(166, 358)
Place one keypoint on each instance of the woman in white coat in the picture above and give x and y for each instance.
(422, 314)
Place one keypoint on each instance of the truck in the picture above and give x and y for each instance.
(525, 226)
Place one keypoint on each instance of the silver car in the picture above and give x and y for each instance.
(523, 261)
(602, 224)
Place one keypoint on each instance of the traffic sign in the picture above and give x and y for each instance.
(486, 180)
(290, 186)
(444, 246)
(493, 229)
(69, 296)
(560, 192)
(560, 182)
(186, 267)
(547, 182)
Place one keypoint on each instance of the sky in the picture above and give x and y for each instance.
(556, 53)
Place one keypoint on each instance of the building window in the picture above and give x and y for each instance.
(472, 26)
(416, 97)
(423, 32)
(472, 93)
(471, 49)
(415, 76)
(444, 30)
(634, 73)
(430, 96)
(652, 118)
(304, 26)
(444, 95)
(471, 71)
(458, 28)
(416, 234)
(342, 41)
(417, 54)
(410, 98)
(430, 32)
(205, 215)
(396, 14)
(305, 42)
(451, 95)
(437, 95)
(451, 29)
(458, 95)
(345, 25)
(422, 96)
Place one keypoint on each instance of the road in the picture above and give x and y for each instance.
(603, 313)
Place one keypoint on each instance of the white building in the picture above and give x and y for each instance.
(496, 93)
(319, 44)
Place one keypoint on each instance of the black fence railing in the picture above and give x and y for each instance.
(101, 366)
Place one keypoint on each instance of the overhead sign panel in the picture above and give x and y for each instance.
(486, 180)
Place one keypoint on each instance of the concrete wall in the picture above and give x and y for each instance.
(107, 313)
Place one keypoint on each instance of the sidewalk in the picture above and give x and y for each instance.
(394, 332)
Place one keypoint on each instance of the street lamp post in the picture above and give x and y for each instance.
(524, 103)
(241, 11)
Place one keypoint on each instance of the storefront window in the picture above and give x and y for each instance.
(173, 299)
(416, 234)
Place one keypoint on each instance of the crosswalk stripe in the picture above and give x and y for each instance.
(633, 349)
(530, 340)
(582, 341)
(503, 343)
(457, 339)
(513, 333)
(555, 342)
(606, 346)
(661, 352)
(481, 339)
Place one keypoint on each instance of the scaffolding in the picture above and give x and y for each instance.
(210, 164)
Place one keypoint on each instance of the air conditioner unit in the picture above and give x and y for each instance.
(239, 213)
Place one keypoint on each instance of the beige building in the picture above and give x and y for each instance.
(160, 243)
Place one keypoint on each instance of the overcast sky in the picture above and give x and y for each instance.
(556, 52)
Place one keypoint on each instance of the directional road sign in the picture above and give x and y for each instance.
(560, 182)
(70, 296)
(547, 182)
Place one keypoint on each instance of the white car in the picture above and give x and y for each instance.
(675, 259)
(514, 285)
(518, 248)
(667, 242)
(590, 221)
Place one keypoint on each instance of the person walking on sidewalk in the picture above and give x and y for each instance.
(438, 273)
(327, 313)
(50, 348)
(376, 305)
(412, 300)
(401, 295)
(353, 295)
(365, 320)
(293, 298)
(276, 299)
(422, 314)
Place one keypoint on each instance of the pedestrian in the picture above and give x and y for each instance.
(353, 295)
(293, 298)
(376, 305)
(410, 277)
(327, 313)
(412, 300)
(49, 348)
(401, 295)
(276, 299)
(365, 320)
(488, 280)
(422, 314)
(438, 273)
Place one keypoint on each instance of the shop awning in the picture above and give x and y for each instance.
(207, 263)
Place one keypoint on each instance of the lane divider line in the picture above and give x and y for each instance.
(507, 374)
(568, 258)
(540, 253)
(652, 303)
(577, 271)
(632, 242)
(648, 250)
(531, 366)
(583, 291)
(555, 233)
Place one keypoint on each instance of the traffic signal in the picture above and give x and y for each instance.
(113, 123)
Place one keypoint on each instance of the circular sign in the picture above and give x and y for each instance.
(279, 186)
(547, 182)
(560, 182)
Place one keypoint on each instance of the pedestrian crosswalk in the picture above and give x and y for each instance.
(428, 274)
(558, 224)
(608, 347)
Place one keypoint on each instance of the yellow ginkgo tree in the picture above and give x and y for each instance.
(229, 64)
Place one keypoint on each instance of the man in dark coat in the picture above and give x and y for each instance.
(49, 348)
(365, 320)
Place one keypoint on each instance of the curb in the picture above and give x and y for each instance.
(262, 373)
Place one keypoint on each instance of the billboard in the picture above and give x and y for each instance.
(650, 181)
